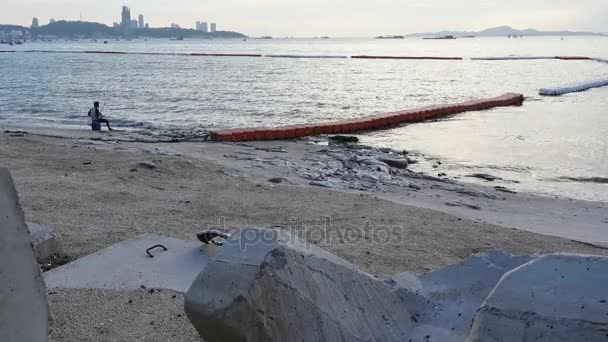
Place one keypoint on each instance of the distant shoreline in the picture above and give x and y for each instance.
(92, 30)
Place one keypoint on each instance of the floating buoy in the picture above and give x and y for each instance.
(365, 123)
(573, 88)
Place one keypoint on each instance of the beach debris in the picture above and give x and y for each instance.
(54, 261)
(277, 180)
(556, 297)
(398, 163)
(15, 132)
(211, 237)
(24, 312)
(46, 241)
(504, 189)
(237, 157)
(414, 186)
(148, 165)
(463, 204)
(485, 177)
(463, 191)
(343, 139)
(598, 180)
(272, 149)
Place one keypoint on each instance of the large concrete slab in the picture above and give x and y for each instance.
(24, 309)
(265, 285)
(126, 266)
(557, 297)
(448, 298)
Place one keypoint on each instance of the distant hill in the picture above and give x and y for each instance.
(8, 28)
(73, 28)
(80, 29)
(185, 33)
(503, 31)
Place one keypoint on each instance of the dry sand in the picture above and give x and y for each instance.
(99, 195)
(119, 316)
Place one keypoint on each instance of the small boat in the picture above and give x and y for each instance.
(443, 37)
(390, 37)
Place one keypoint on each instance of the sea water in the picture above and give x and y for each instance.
(551, 145)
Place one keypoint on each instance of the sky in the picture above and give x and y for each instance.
(336, 18)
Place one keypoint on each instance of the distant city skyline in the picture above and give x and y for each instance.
(316, 18)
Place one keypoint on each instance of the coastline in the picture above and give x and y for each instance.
(313, 164)
(99, 189)
(494, 204)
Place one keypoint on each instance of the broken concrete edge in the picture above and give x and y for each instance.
(46, 241)
(24, 312)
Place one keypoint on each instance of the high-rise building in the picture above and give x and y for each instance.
(175, 26)
(141, 21)
(126, 17)
(35, 22)
(147, 26)
(201, 26)
(52, 21)
(213, 27)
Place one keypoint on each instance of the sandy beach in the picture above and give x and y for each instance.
(101, 189)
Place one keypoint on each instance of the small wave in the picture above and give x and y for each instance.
(597, 180)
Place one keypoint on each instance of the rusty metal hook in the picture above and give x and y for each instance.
(153, 247)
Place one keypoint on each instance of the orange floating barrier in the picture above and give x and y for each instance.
(238, 135)
(291, 132)
(260, 134)
(225, 54)
(407, 57)
(224, 136)
(573, 58)
(270, 134)
(249, 134)
(281, 133)
(375, 121)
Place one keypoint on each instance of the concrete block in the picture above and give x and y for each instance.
(46, 241)
(24, 310)
(557, 297)
(267, 285)
(447, 299)
(126, 266)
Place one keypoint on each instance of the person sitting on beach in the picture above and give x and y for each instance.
(96, 115)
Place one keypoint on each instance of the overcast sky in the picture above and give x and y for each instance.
(345, 18)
